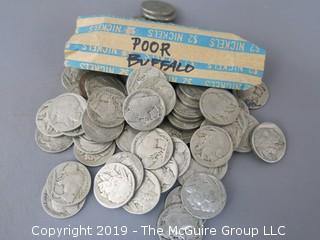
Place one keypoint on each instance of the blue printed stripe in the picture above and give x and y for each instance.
(173, 36)
(198, 65)
(171, 77)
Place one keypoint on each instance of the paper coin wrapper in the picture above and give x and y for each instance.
(186, 55)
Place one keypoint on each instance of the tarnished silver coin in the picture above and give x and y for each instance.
(85, 144)
(192, 92)
(159, 18)
(42, 121)
(268, 142)
(132, 162)
(186, 120)
(185, 111)
(65, 112)
(173, 197)
(195, 168)
(100, 134)
(144, 109)
(211, 146)
(98, 81)
(124, 141)
(184, 135)
(255, 97)
(95, 159)
(70, 79)
(105, 107)
(182, 124)
(74, 133)
(181, 155)
(146, 197)
(203, 196)
(158, 8)
(186, 100)
(167, 175)
(219, 106)
(176, 216)
(245, 145)
(154, 148)
(114, 185)
(152, 78)
(56, 210)
(235, 129)
(52, 144)
(68, 183)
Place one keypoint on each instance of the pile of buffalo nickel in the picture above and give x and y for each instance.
(146, 134)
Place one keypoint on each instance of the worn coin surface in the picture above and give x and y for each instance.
(177, 216)
(167, 175)
(184, 135)
(235, 129)
(181, 155)
(211, 146)
(243, 105)
(42, 121)
(114, 185)
(98, 81)
(185, 111)
(245, 145)
(95, 159)
(203, 196)
(158, 8)
(152, 78)
(146, 197)
(124, 141)
(105, 107)
(70, 79)
(85, 144)
(192, 92)
(186, 100)
(144, 109)
(173, 197)
(219, 106)
(132, 162)
(56, 210)
(52, 144)
(65, 111)
(195, 168)
(255, 97)
(268, 142)
(154, 148)
(182, 124)
(68, 183)
(100, 134)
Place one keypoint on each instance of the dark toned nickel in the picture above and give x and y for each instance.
(268, 142)
(211, 146)
(144, 109)
(255, 97)
(154, 148)
(219, 106)
(105, 107)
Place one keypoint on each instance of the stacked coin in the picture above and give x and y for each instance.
(158, 11)
(186, 114)
(150, 121)
(65, 191)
